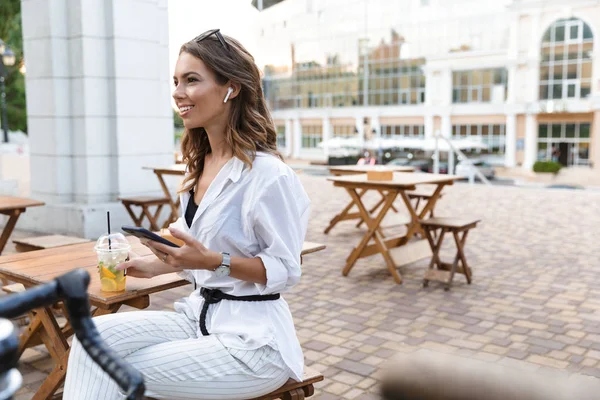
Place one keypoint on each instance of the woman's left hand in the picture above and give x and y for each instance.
(192, 255)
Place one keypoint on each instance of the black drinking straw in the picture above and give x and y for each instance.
(108, 221)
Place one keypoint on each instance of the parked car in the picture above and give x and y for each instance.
(442, 167)
(400, 158)
(419, 165)
(398, 161)
(463, 168)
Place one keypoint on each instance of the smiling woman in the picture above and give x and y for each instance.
(208, 72)
(243, 228)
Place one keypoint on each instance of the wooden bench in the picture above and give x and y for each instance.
(145, 202)
(46, 242)
(292, 390)
(424, 195)
(435, 229)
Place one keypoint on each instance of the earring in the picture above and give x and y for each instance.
(229, 91)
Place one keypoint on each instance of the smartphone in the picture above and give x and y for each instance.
(143, 233)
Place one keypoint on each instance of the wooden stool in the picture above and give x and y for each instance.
(445, 271)
(292, 390)
(422, 195)
(145, 202)
(46, 242)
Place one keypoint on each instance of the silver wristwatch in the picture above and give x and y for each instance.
(223, 269)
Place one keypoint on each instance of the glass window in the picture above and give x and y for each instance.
(570, 131)
(492, 135)
(312, 135)
(556, 130)
(574, 33)
(559, 33)
(575, 135)
(584, 130)
(544, 91)
(583, 153)
(280, 136)
(542, 154)
(565, 55)
(476, 85)
(557, 92)
(587, 32)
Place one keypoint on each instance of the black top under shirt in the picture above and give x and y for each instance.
(190, 210)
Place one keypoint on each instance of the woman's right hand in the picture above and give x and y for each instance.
(139, 267)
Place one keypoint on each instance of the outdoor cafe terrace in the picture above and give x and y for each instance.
(534, 301)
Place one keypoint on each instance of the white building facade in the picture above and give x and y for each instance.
(521, 75)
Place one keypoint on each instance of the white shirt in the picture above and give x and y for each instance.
(258, 212)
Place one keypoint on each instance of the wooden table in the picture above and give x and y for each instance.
(13, 207)
(173, 170)
(343, 170)
(41, 266)
(395, 250)
(339, 170)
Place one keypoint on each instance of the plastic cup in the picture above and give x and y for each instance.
(111, 250)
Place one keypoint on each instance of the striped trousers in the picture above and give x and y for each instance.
(175, 361)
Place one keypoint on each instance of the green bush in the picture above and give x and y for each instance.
(547, 166)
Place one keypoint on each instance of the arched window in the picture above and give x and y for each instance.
(566, 62)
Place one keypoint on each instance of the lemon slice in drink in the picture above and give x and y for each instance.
(105, 272)
(108, 285)
(120, 283)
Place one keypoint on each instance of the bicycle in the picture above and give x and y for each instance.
(71, 288)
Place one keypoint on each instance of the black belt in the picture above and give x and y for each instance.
(213, 296)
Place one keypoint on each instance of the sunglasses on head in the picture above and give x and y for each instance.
(216, 32)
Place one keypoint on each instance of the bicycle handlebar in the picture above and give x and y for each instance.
(72, 288)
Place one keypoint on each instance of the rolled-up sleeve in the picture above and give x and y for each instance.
(280, 219)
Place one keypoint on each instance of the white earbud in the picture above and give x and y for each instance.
(229, 91)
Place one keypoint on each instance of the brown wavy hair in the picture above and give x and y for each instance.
(250, 127)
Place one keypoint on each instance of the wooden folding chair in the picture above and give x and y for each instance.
(435, 229)
(145, 202)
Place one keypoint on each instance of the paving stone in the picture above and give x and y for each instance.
(355, 367)
(547, 361)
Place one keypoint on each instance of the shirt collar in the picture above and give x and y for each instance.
(236, 169)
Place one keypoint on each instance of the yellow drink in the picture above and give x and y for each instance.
(111, 280)
(112, 250)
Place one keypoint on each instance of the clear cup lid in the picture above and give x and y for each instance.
(113, 242)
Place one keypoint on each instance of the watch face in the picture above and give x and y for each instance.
(222, 270)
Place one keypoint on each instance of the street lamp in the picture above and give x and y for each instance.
(7, 60)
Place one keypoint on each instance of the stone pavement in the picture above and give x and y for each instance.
(534, 302)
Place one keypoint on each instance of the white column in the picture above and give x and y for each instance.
(531, 133)
(446, 87)
(297, 137)
(428, 126)
(512, 83)
(446, 126)
(98, 108)
(289, 137)
(326, 134)
(533, 66)
(510, 154)
(513, 54)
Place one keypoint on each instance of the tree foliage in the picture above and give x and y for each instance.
(11, 34)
